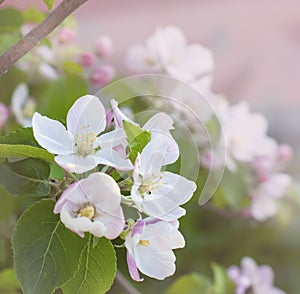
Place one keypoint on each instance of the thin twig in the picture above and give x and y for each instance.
(123, 282)
(1, 1)
(29, 41)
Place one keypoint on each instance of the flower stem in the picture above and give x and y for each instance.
(124, 283)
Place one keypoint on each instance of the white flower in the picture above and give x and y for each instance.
(245, 132)
(167, 51)
(79, 148)
(23, 106)
(149, 248)
(92, 205)
(257, 279)
(264, 197)
(155, 192)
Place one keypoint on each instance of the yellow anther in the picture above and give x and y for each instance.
(88, 211)
(144, 242)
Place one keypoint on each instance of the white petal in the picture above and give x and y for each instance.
(112, 139)
(160, 122)
(77, 164)
(114, 159)
(52, 135)
(164, 201)
(102, 190)
(80, 225)
(163, 236)
(263, 207)
(155, 264)
(86, 115)
(114, 222)
(160, 151)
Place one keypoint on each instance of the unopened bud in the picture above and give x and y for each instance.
(102, 75)
(104, 47)
(65, 36)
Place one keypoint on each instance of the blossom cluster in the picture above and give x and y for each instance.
(93, 203)
(243, 139)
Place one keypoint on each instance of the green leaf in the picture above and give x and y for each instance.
(137, 139)
(32, 14)
(20, 151)
(46, 254)
(49, 3)
(7, 40)
(8, 281)
(71, 67)
(192, 284)
(7, 209)
(222, 283)
(10, 19)
(235, 189)
(97, 269)
(22, 136)
(60, 96)
(25, 177)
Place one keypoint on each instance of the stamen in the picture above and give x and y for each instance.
(84, 143)
(144, 242)
(87, 211)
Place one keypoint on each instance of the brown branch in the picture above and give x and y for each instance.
(29, 41)
(1, 1)
(123, 282)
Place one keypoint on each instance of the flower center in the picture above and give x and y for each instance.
(150, 185)
(87, 211)
(84, 143)
(144, 242)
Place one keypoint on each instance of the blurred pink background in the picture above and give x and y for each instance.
(256, 45)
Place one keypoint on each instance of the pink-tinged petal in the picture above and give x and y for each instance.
(73, 194)
(80, 225)
(249, 267)
(138, 228)
(102, 190)
(155, 264)
(234, 273)
(114, 159)
(86, 115)
(77, 164)
(113, 220)
(52, 135)
(160, 122)
(132, 268)
(112, 139)
(265, 276)
(4, 113)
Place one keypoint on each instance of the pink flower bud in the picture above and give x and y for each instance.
(104, 47)
(285, 153)
(87, 59)
(65, 36)
(102, 75)
(4, 113)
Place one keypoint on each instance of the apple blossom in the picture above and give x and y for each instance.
(155, 192)
(167, 51)
(149, 248)
(92, 205)
(4, 113)
(87, 59)
(23, 106)
(254, 278)
(79, 148)
(264, 198)
(104, 47)
(102, 75)
(65, 35)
